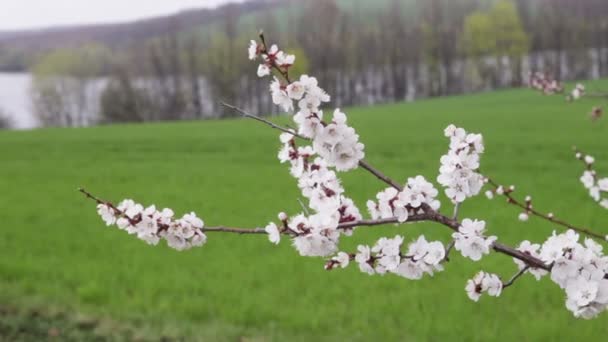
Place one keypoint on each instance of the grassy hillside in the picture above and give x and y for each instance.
(56, 253)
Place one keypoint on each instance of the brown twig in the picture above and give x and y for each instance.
(448, 250)
(235, 230)
(365, 165)
(551, 218)
(89, 195)
(262, 120)
(515, 277)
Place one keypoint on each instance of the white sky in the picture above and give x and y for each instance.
(26, 14)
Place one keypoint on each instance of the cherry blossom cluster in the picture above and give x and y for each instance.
(470, 241)
(579, 269)
(597, 187)
(332, 146)
(544, 83)
(409, 201)
(530, 249)
(548, 86)
(458, 167)
(271, 58)
(316, 235)
(385, 256)
(336, 142)
(152, 225)
(483, 282)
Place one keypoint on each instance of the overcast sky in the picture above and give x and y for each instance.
(25, 14)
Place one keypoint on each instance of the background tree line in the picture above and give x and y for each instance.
(363, 52)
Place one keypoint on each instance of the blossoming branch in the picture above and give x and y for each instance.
(597, 186)
(547, 85)
(527, 209)
(320, 147)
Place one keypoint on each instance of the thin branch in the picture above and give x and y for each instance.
(303, 206)
(580, 155)
(512, 200)
(365, 165)
(260, 119)
(235, 230)
(456, 209)
(447, 251)
(515, 277)
(497, 246)
(90, 196)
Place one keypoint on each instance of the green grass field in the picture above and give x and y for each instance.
(56, 254)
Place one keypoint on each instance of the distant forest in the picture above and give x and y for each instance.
(365, 52)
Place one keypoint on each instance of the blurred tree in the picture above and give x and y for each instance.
(165, 62)
(441, 27)
(497, 32)
(5, 120)
(122, 101)
(62, 85)
(322, 38)
(193, 50)
(223, 64)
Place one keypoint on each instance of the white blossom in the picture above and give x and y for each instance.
(597, 187)
(363, 259)
(282, 216)
(279, 95)
(483, 282)
(151, 225)
(296, 90)
(400, 204)
(458, 167)
(263, 70)
(107, 214)
(579, 269)
(253, 50)
(470, 241)
(343, 259)
(531, 249)
(284, 60)
(577, 92)
(273, 233)
(338, 144)
(523, 217)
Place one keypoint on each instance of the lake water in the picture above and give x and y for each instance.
(15, 99)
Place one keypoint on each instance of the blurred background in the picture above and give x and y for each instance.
(62, 65)
(122, 97)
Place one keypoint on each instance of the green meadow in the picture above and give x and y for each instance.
(58, 260)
